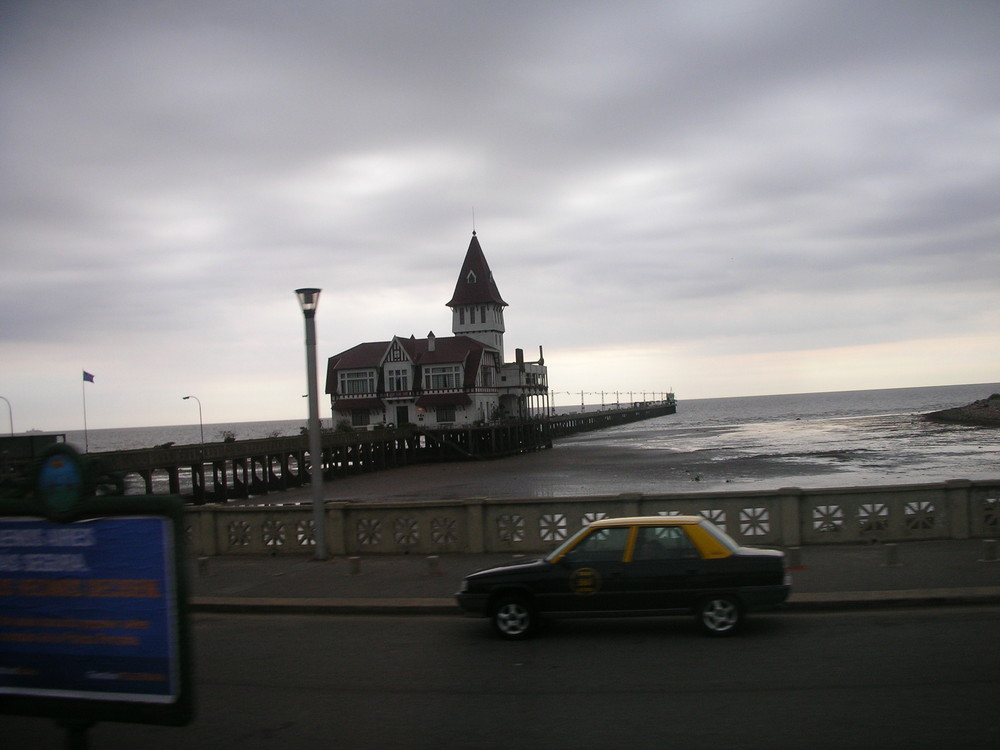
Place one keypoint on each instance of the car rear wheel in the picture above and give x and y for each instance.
(513, 617)
(719, 615)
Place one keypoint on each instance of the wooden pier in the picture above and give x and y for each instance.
(218, 472)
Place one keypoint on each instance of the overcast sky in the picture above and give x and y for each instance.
(724, 198)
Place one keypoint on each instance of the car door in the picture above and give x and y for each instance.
(589, 578)
(666, 570)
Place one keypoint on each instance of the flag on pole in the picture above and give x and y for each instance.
(87, 378)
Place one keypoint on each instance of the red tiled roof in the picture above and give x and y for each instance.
(362, 355)
(461, 350)
(358, 357)
(446, 350)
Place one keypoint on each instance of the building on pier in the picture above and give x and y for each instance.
(435, 381)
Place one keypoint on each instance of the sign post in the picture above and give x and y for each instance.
(93, 603)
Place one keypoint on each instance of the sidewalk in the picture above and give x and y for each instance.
(827, 577)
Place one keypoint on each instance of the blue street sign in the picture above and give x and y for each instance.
(88, 609)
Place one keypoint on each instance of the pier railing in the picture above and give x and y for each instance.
(788, 517)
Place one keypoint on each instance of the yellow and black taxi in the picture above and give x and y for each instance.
(646, 565)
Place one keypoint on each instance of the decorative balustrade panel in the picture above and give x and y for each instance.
(876, 515)
(253, 531)
(785, 518)
(985, 512)
(530, 526)
(400, 529)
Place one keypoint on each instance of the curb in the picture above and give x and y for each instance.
(825, 602)
(320, 606)
(856, 600)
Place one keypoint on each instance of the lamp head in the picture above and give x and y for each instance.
(308, 300)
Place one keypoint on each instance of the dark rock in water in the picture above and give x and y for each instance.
(985, 412)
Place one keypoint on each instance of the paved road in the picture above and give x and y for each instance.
(831, 576)
(915, 678)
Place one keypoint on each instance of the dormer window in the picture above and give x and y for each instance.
(397, 379)
(443, 377)
(471, 278)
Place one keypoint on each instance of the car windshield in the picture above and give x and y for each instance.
(565, 545)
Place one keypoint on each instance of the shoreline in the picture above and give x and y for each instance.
(586, 471)
(520, 476)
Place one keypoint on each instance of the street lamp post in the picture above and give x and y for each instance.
(200, 481)
(10, 412)
(201, 424)
(308, 300)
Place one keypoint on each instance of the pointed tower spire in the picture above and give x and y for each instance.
(475, 281)
(476, 306)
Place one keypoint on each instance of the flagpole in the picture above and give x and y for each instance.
(86, 439)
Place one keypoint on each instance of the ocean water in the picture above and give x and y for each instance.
(130, 438)
(809, 440)
(759, 442)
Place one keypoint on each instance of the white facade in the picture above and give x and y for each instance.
(441, 381)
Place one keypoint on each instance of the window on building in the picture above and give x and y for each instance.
(360, 417)
(471, 278)
(482, 314)
(397, 379)
(357, 381)
(444, 376)
(461, 315)
(446, 414)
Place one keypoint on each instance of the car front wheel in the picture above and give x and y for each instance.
(720, 615)
(514, 617)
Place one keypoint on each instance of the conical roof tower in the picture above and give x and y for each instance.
(476, 304)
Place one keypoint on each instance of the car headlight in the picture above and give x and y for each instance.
(465, 586)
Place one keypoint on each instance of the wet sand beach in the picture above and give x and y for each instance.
(564, 471)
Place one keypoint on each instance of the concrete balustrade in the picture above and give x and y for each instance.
(788, 517)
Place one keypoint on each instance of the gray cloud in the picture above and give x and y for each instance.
(696, 179)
